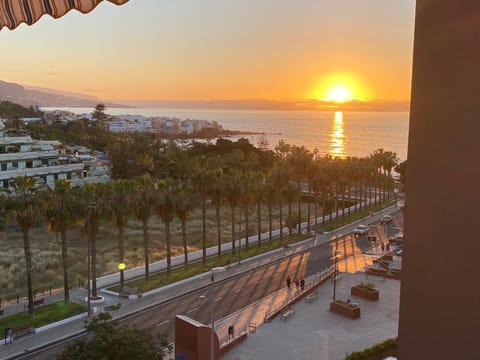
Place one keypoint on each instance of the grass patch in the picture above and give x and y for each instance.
(377, 352)
(357, 215)
(44, 315)
(160, 279)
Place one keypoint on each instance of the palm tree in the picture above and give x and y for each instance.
(233, 195)
(119, 205)
(246, 200)
(25, 202)
(216, 190)
(203, 172)
(300, 159)
(259, 191)
(390, 160)
(185, 203)
(60, 214)
(93, 199)
(143, 198)
(164, 207)
(278, 182)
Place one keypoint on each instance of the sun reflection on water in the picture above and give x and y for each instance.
(337, 137)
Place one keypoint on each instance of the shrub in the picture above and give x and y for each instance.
(375, 350)
(366, 286)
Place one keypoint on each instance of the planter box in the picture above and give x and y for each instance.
(364, 293)
(350, 311)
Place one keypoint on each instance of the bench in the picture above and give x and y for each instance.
(312, 296)
(21, 330)
(285, 315)
(38, 302)
(130, 291)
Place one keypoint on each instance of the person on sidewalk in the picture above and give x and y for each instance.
(231, 332)
(297, 284)
(302, 284)
(289, 282)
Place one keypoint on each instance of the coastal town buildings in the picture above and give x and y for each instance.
(47, 161)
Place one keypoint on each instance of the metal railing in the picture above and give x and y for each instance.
(297, 293)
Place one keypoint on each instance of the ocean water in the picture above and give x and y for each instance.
(343, 134)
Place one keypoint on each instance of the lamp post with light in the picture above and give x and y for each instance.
(212, 302)
(121, 267)
(335, 259)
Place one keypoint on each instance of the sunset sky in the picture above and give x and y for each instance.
(277, 50)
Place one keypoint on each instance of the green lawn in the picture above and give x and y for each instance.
(44, 315)
(160, 279)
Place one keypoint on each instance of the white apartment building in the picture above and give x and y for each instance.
(46, 161)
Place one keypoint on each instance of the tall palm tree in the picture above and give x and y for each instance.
(277, 184)
(120, 201)
(203, 172)
(60, 213)
(185, 203)
(25, 202)
(246, 183)
(143, 197)
(93, 200)
(233, 195)
(216, 190)
(164, 207)
(259, 191)
(390, 160)
(300, 159)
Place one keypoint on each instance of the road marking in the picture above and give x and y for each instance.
(219, 298)
(238, 290)
(163, 323)
(192, 310)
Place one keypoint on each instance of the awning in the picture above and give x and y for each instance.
(16, 12)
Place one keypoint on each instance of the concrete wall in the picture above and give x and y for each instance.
(440, 293)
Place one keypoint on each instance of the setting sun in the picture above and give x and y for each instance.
(339, 88)
(339, 94)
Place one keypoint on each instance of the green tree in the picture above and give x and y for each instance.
(300, 159)
(60, 214)
(26, 203)
(110, 340)
(186, 202)
(143, 199)
(94, 203)
(120, 200)
(203, 172)
(164, 207)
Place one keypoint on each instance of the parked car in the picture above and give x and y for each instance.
(396, 239)
(361, 230)
(386, 219)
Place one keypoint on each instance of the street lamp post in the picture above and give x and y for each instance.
(90, 229)
(121, 267)
(212, 302)
(335, 257)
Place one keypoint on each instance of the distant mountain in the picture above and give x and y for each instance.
(30, 95)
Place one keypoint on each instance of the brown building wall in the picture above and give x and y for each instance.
(440, 294)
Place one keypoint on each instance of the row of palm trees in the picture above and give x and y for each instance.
(204, 181)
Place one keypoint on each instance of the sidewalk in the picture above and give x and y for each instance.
(167, 292)
(316, 333)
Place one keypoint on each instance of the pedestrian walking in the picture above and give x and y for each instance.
(231, 332)
(302, 284)
(289, 282)
(297, 283)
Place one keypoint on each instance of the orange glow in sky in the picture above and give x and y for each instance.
(206, 50)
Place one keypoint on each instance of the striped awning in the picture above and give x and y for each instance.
(16, 12)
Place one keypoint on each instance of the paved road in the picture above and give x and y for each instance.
(239, 290)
